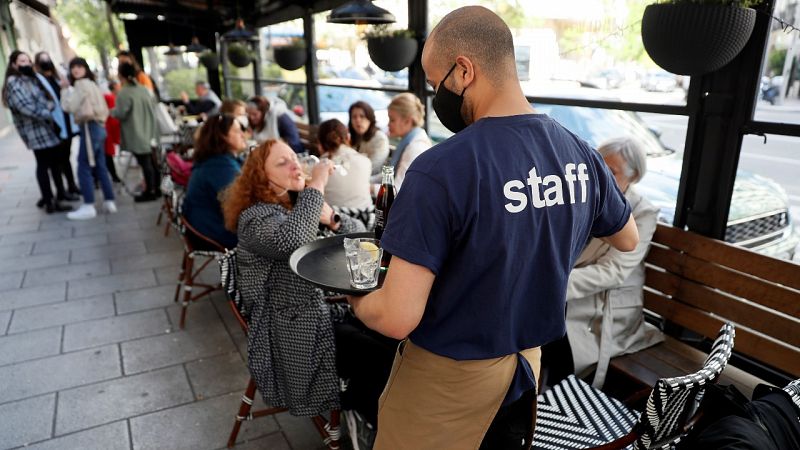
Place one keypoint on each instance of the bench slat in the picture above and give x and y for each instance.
(762, 292)
(747, 261)
(740, 311)
(748, 342)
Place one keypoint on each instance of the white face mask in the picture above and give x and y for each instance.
(243, 121)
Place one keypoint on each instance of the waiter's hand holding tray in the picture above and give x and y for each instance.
(323, 263)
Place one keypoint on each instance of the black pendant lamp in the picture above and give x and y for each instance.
(239, 33)
(360, 12)
(196, 46)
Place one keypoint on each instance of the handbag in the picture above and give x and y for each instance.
(85, 112)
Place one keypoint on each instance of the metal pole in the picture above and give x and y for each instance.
(311, 68)
(226, 69)
(256, 44)
(418, 22)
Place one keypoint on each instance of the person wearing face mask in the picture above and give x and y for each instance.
(406, 117)
(270, 119)
(365, 136)
(274, 211)
(85, 100)
(53, 82)
(217, 145)
(484, 233)
(604, 291)
(32, 111)
(135, 110)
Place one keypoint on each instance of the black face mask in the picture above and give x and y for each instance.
(447, 105)
(26, 70)
(47, 66)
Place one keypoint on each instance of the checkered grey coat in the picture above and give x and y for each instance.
(291, 351)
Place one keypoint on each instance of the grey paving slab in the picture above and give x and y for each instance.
(115, 329)
(179, 347)
(113, 229)
(113, 436)
(203, 425)
(20, 263)
(61, 313)
(299, 431)
(167, 275)
(112, 283)
(30, 227)
(143, 299)
(26, 421)
(163, 244)
(69, 244)
(149, 261)
(274, 441)
(111, 251)
(137, 235)
(133, 216)
(36, 236)
(5, 318)
(58, 372)
(39, 295)
(69, 272)
(218, 375)
(201, 314)
(16, 250)
(113, 400)
(9, 281)
(31, 345)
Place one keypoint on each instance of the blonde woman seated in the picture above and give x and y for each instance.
(291, 350)
(406, 117)
(350, 190)
(604, 293)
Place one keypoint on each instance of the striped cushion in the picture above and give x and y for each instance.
(575, 415)
(793, 389)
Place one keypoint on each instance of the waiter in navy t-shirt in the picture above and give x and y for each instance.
(484, 235)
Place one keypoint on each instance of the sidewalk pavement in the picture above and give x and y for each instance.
(91, 356)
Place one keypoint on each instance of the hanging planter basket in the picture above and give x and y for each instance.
(392, 53)
(692, 38)
(239, 55)
(290, 58)
(209, 60)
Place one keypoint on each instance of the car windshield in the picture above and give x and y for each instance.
(337, 99)
(595, 125)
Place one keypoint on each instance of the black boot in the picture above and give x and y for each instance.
(145, 197)
(40, 203)
(68, 197)
(54, 206)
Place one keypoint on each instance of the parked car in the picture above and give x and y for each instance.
(759, 217)
(605, 79)
(659, 81)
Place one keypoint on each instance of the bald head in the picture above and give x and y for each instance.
(480, 35)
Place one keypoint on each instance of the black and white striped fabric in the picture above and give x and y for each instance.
(364, 215)
(793, 389)
(574, 415)
(227, 276)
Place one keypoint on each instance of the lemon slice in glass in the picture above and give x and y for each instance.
(370, 247)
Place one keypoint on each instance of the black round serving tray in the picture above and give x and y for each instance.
(323, 264)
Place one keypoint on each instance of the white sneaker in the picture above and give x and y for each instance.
(85, 212)
(110, 207)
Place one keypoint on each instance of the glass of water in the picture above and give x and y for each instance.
(363, 261)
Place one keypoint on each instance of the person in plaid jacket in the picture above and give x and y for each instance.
(31, 108)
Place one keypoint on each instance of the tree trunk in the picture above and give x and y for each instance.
(103, 60)
(111, 28)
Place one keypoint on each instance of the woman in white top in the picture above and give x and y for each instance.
(366, 137)
(406, 116)
(352, 189)
(86, 102)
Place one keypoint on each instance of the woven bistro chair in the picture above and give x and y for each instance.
(328, 429)
(187, 278)
(574, 415)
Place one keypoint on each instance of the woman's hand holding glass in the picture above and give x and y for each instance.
(320, 173)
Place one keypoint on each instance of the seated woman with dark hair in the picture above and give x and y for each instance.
(349, 187)
(270, 119)
(366, 137)
(217, 143)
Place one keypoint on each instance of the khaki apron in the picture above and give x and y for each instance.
(434, 402)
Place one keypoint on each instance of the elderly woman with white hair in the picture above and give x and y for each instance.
(604, 293)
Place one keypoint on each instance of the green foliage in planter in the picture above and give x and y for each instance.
(385, 31)
(740, 3)
(239, 52)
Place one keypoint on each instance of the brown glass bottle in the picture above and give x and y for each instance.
(383, 203)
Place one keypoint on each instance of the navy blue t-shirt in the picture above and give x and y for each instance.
(499, 213)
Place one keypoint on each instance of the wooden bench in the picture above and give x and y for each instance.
(699, 283)
(308, 136)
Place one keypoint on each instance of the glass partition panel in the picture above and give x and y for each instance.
(779, 93)
(283, 34)
(765, 209)
(335, 101)
(342, 52)
(586, 49)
